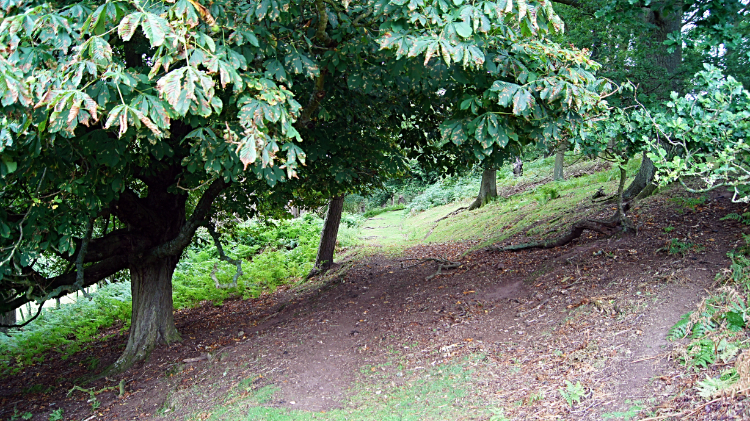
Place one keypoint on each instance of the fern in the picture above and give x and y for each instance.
(744, 218)
(702, 327)
(711, 387)
(680, 329)
(702, 353)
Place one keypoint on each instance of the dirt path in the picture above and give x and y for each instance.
(594, 313)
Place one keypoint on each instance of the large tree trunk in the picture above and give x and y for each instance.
(664, 83)
(8, 318)
(488, 189)
(558, 172)
(330, 232)
(152, 320)
(160, 219)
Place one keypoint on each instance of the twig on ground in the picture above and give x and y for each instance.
(523, 313)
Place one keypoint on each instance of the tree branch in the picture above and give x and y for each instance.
(63, 284)
(571, 3)
(38, 312)
(82, 254)
(223, 257)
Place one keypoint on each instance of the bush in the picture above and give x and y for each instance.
(447, 190)
(378, 211)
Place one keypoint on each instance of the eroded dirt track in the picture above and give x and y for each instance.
(595, 312)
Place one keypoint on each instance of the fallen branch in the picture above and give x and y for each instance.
(196, 359)
(441, 266)
(92, 393)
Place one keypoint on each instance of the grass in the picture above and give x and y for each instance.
(545, 209)
(436, 394)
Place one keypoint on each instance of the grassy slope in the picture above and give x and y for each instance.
(505, 217)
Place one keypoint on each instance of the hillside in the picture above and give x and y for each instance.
(576, 333)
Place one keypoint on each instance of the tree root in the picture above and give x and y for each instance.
(618, 222)
(442, 264)
(455, 212)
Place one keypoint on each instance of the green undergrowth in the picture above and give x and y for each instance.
(67, 329)
(272, 255)
(375, 212)
(441, 393)
(716, 332)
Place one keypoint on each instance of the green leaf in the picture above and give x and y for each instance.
(523, 101)
(463, 29)
(10, 165)
(128, 25)
(505, 92)
(155, 28)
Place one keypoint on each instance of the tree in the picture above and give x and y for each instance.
(642, 42)
(324, 259)
(512, 84)
(710, 128)
(487, 189)
(148, 114)
(558, 171)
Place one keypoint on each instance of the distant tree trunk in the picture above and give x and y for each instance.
(665, 83)
(328, 236)
(8, 318)
(487, 190)
(152, 321)
(558, 173)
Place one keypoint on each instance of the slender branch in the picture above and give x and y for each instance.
(38, 312)
(223, 257)
(81, 254)
(20, 224)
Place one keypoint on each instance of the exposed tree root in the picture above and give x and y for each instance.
(605, 227)
(455, 212)
(608, 227)
(92, 393)
(442, 264)
(618, 222)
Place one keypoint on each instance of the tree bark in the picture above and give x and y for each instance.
(328, 236)
(643, 185)
(558, 172)
(152, 320)
(8, 318)
(487, 190)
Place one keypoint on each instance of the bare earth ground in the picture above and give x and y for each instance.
(596, 312)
